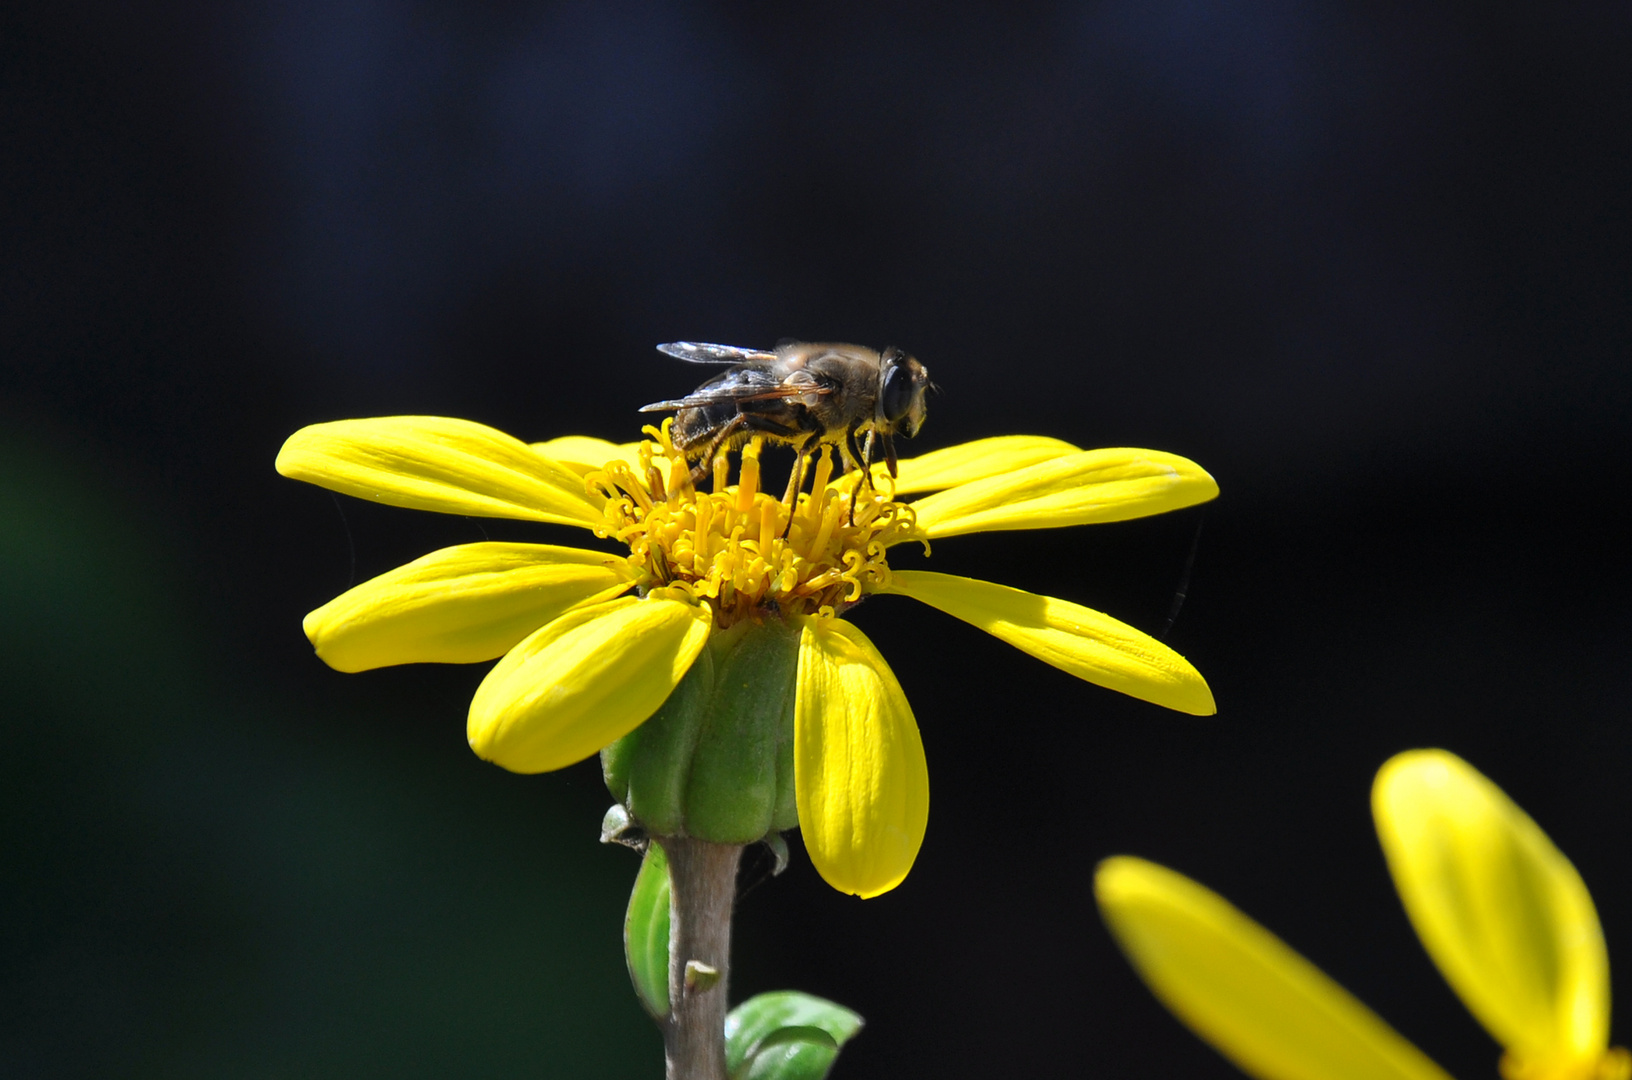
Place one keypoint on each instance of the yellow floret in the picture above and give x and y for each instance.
(742, 549)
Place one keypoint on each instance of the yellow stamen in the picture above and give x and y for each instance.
(824, 470)
(825, 532)
(704, 514)
(770, 523)
(748, 486)
(734, 548)
(679, 478)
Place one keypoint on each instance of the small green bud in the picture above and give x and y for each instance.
(700, 977)
(715, 761)
(779, 853)
(617, 827)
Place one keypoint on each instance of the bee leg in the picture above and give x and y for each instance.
(705, 464)
(857, 458)
(796, 480)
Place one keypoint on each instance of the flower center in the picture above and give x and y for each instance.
(741, 549)
(1613, 1064)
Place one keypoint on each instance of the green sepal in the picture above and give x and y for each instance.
(715, 762)
(615, 762)
(785, 814)
(646, 932)
(786, 1035)
(648, 768)
(735, 792)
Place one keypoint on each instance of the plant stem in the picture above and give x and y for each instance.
(702, 889)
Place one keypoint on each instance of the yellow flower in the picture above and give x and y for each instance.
(582, 664)
(1500, 910)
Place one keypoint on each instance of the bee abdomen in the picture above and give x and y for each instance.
(694, 428)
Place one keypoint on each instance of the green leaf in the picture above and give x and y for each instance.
(646, 932)
(795, 1053)
(786, 1035)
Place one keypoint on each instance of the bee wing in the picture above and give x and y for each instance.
(697, 352)
(682, 403)
(743, 384)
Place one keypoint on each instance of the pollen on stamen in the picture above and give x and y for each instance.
(741, 550)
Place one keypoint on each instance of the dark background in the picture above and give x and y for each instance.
(1366, 263)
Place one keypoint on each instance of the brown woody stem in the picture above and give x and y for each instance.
(702, 889)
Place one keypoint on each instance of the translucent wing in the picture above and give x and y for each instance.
(747, 383)
(697, 352)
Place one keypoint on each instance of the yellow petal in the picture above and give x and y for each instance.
(858, 765)
(1074, 489)
(954, 465)
(1075, 639)
(584, 681)
(1239, 987)
(438, 463)
(584, 454)
(461, 604)
(1500, 910)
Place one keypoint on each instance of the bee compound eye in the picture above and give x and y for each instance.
(898, 387)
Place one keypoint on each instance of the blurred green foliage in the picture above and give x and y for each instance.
(199, 881)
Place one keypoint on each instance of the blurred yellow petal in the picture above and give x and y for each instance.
(1075, 639)
(438, 463)
(1500, 910)
(584, 454)
(859, 770)
(584, 681)
(1074, 489)
(968, 461)
(1239, 987)
(461, 605)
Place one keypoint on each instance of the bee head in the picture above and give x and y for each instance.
(902, 384)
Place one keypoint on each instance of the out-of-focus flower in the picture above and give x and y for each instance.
(1500, 910)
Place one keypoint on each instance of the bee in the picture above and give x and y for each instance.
(802, 395)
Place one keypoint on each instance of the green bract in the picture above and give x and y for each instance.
(646, 932)
(716, 761)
